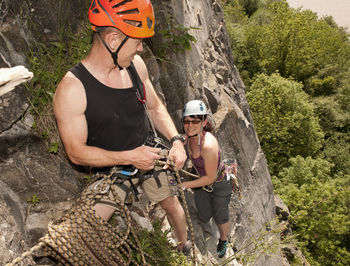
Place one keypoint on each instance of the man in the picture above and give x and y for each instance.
(101, 121)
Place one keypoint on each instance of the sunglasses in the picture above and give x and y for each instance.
(194, 122)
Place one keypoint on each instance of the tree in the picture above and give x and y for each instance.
(337, 150)
(284, 120)
(296, 44)
(319, 209)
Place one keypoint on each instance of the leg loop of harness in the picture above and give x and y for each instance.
(152, 174)
(118, 176)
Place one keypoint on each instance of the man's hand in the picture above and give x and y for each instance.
(177, 154)
(144, 157)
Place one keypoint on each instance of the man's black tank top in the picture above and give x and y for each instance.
(116, 119)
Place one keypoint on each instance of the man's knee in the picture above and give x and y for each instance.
(104, 211)
(171, 204)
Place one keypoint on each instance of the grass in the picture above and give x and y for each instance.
(49, 63)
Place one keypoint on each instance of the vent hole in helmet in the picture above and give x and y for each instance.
(95, 11)
(121, 3)
(133, 23)
(149, 23)
(131, 11)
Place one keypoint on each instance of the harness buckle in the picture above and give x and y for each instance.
(208, 188)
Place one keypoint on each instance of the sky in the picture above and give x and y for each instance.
(338, 9)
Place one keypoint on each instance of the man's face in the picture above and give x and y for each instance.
(127, 53)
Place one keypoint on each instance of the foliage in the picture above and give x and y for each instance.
(319, 205)
(33, 200)
(284, 120)
(261, 242)
(332, 116)
(337, 150)
(176, 37)
(50, 62)
(156, 244)
(314, 52)
(234, 13)
(296, 44)
(54, 148)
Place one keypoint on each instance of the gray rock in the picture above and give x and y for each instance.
(207, 72)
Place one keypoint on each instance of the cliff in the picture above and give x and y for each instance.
(207, 71)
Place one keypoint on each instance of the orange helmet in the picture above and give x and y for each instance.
(122, 14)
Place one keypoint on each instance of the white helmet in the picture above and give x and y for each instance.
(195, 107)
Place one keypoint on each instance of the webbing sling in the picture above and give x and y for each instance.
(140, 93)
(141, 96)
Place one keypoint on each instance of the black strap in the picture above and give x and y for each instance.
(156, 177)
(136, 80)
(136, 192)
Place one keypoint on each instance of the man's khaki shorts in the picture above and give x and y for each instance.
(154, 193)
(168, 186)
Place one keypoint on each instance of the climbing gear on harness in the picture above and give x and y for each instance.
(156, 142)
(135, 18)
(208, 188)
(129, 174)
(123, 175)
(229, 173)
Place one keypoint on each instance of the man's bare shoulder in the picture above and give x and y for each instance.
(140, 67)
(70, 92)
(69, 84)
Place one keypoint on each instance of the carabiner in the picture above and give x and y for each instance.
(208, 188)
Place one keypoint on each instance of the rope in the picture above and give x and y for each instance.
(75, 240)
(187, 213)
(82, 237)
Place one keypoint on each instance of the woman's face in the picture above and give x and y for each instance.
(193, 125)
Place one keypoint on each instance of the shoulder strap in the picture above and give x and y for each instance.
(189, 156)
(136, 80)
(140, 92)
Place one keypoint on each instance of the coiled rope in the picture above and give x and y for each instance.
(82, 237)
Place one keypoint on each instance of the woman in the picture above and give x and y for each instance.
(212, 191)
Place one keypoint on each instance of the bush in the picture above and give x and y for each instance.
(284, 120)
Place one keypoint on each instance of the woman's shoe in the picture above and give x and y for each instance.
(221, 248)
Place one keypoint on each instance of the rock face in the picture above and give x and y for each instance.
(207, 71)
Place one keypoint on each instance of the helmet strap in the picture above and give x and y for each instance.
(114, 54)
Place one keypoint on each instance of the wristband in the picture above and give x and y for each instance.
(177, 137)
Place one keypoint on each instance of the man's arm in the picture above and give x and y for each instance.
(160, 116)
(69, 108)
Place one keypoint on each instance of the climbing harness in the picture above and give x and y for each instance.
(81, 237)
